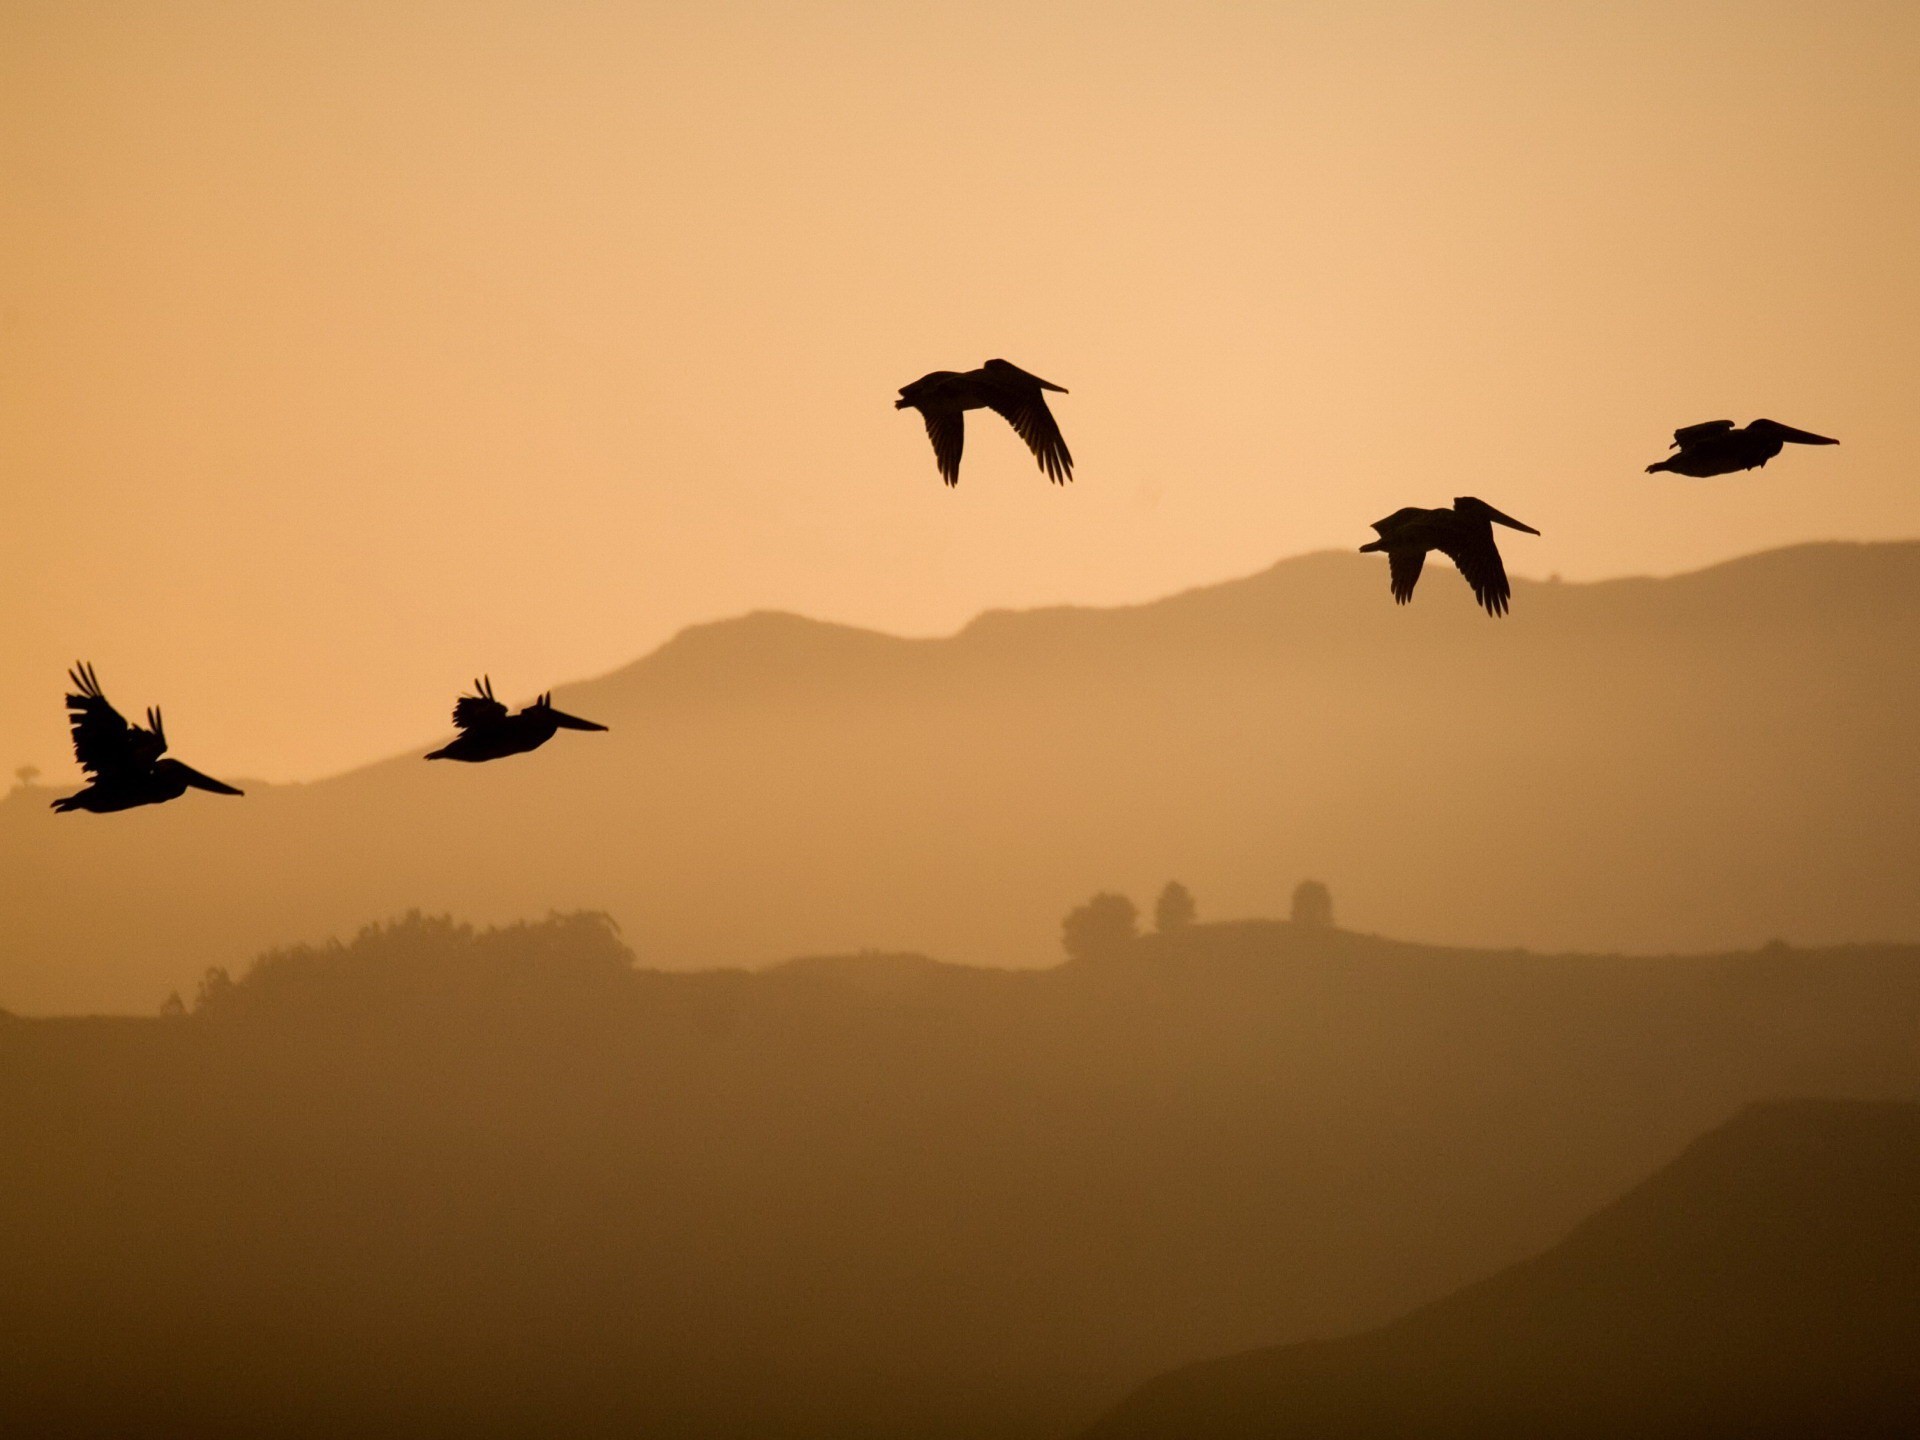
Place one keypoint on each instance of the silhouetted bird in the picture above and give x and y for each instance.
(123, 760)
(488, 732)
(943, 397)
(1719, 447)
(1464, 534)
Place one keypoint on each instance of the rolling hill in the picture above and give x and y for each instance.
(1687, 763)
(505, 1184)
(1764, 1285)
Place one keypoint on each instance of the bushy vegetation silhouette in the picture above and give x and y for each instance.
(1175, 910)
(1312, 905)
(427, 963)
(1101, 929)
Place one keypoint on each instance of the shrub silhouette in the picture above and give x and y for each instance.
(1103, 927)
(1174, 910)
(1312, 905)
(422, 962)
(216, 986)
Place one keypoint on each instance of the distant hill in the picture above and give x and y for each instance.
(1766, 1284)
(1690, 763)
(503, 1184)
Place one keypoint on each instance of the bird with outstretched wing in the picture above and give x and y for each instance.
(1463, 532)
(123, 762)
(944, 396)
(1720, 447)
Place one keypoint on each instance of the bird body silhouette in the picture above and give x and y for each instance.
(944, 396)
(1719, 447)
(1463, 533)
(488, 732)
(123, 761)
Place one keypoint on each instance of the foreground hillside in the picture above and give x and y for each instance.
(505, 1184)
(1765, 1285)
(1638, 765)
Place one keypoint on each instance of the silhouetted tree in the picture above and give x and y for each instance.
(175, 1006)
(1312, 905)
(1174, 910)
(215, 986)
(1104, 926)
(26, 775)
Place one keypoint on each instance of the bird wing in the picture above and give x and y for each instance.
(1478, 558)
(103, 742)
(1399, 520)
(947, 429)
(1025, 408)
(1403, 572)
(1693, 434)
(478, 710)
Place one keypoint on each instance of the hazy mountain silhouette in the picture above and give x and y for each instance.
(1766, 1284)
(1686, 763)
(503, 1184)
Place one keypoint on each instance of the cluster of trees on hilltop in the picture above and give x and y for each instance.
(423, 960)
(426, 960)
(1110, 922)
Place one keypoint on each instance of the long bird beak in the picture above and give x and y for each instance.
(207, 782)
(1788, 433)
(573, 722)
(1498, 518)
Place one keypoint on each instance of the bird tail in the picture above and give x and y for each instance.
(1658, 465)
(1373, 545)
(66, 803)
(439, 754)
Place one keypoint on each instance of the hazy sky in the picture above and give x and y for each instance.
(349, 349)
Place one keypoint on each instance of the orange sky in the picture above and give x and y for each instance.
(348, 349)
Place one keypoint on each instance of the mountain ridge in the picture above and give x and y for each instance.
(1637, 764)
(707, 640)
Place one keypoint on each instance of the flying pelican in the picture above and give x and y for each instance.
(123, 761)
(1719, 447)
(943, 397)
(1463, 533)
(488, 732)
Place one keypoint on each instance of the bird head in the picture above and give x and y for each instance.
(187, 775)
(1469, 505)
(1788, 433)
(544, 707)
